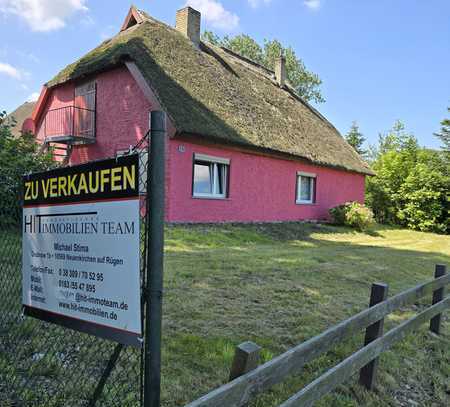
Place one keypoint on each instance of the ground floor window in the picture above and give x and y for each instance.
(306, 188)
(210, 177)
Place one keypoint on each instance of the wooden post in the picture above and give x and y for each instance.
(246, 358)
(368, 372)
(438, 295)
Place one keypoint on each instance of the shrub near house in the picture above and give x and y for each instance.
(18, 156)
(352, 214)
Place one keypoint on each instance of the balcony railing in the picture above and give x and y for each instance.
(70, 124)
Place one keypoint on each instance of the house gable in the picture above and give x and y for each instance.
(120, 107)
(133, 17)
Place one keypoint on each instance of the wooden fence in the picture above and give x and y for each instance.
(247, 379)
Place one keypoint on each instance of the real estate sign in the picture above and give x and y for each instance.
(81, 248)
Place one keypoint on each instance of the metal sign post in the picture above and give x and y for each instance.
(155, 255)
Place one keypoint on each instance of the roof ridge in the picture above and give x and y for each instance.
(244, 58)
(146, 16)
(288, 87)
(228, 107)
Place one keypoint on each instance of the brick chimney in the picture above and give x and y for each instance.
(280, 70)
(188, 23)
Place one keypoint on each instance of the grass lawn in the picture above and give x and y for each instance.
(276, 285)
(279, 285)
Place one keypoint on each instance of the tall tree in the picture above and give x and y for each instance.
(396, 139)
(356, 139)
(444, 135)
(306, 83)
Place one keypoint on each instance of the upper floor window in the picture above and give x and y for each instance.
(210, 178)
(85, 95)
(306, 188)
(84, 109)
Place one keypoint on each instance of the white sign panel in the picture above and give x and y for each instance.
(81, 248)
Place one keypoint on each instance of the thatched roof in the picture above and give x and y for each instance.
(214, 93)
(19, 115)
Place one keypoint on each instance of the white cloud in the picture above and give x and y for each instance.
(215, 14)
(257, 3)
(43, 15)
(11, 71)
(312, 4)
(33, 97)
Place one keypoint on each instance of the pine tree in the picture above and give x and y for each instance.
(356, 139)
(444, 135)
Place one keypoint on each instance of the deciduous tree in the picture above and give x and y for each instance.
(411, 183)
(306, 83)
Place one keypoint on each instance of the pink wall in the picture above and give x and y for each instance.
(261, 188)
(121, 114)
(59, 97)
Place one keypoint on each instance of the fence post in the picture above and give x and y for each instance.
(438, 295)
(367, 374)
(246, 358)
(155, 256)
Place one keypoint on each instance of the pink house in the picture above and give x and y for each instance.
(242, 145)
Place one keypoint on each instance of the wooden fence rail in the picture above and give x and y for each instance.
(241, 390)
(340, 373)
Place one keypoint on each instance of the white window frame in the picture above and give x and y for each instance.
(216, 161)
(313, 186)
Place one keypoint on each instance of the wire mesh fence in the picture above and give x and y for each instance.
(43, 364)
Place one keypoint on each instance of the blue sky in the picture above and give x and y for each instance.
(379, 60)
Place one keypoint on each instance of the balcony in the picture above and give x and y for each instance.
(68, 125)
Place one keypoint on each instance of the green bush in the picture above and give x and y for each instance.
(423, 198)
(338, 214)
(18, 156)
(413, 195)
(353, 214)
